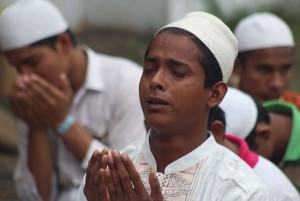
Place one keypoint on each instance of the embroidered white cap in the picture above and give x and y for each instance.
(24, 22)
(217, 37)
(263, 30)
(240, 112)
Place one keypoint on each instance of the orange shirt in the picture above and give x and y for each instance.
(292, 97)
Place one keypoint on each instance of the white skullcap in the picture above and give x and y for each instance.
(240, 113)
(217, 37)
(263, 30)
(24, 22)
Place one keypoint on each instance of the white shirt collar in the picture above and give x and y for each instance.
(183, 163)
(93, 79)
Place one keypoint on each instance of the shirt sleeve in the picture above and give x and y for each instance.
(80, 195)
(95, 145)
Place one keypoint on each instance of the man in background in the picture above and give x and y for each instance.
(69, 99)
(249, 135)
(285, 127)
(264, 63)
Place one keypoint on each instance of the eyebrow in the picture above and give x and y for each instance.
(151, 59)
(28, 59)
(177, 63)
(173, 62)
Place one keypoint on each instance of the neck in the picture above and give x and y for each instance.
(78, 68)
(167, 148)
(231, 146)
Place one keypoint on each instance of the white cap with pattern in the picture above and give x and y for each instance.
(217, 37)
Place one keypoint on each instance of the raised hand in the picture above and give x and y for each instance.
(52, 104)
(94, 188)
(123, 181)
(20, 103)
(34, 99)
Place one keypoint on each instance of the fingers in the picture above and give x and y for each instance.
(156, 193)
(111, 188)
(91, 170)
(65, 84)
(45, 86)
(102, 190)
(95, 185)
(115, 180)
(97, 161)
(39, 93)
(15, 96)
(134, 175)
(123, 173)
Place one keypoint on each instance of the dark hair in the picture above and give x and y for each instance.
(50, 41)
(262, 116)
(242, 57)
(212, 70)
(216, 114)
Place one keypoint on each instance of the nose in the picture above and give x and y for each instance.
(157, 81)
(276, 81)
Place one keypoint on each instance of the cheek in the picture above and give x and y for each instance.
(190, 99)
(287, 78)
(143, 87)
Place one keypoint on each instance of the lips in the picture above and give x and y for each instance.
(157, 101)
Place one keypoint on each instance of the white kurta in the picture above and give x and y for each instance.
(276, 180)
(209, 173)
(108, 107)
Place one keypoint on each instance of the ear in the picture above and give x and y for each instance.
(217, 93)
(218, 130)
(64, 43)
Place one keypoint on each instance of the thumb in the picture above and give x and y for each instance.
(65, 84)
(156, 193)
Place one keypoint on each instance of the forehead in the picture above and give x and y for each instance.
(173, 42)
(174, 46)
(276, 53)
(281, 125)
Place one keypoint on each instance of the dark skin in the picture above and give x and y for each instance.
(265, 73)
(281, 128)
(114, 177)
(170, 90)
(218, 130)
(262, 139)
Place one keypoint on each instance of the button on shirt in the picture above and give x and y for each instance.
(108, 107)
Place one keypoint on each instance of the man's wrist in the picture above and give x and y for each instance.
(65, 126)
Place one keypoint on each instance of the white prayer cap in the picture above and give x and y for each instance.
(240, 112)
(24, 22)
(263, 30)
(217, 37)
